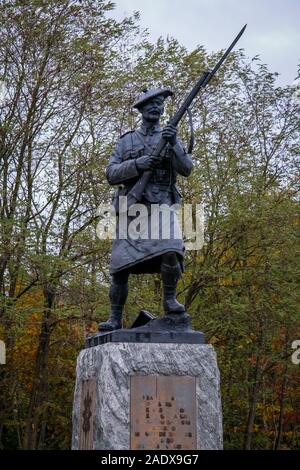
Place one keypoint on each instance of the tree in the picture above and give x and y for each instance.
(71, 74)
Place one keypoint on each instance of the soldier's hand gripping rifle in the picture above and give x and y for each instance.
(136, 193)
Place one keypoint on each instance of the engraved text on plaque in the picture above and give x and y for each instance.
(163, 412)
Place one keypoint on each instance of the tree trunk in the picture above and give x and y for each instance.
(282, 402)
(252, 407)
(39, 392)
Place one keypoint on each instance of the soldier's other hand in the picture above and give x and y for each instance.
(146, 162)
(169, 133)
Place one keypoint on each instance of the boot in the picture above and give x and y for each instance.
(170, 276)
(118, 294)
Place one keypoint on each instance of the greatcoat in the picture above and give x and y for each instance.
(143, 255)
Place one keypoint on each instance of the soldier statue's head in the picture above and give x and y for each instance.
(150, 103)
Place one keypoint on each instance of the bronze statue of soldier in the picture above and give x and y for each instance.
(146, 163)
(130, 158)
(144, 167)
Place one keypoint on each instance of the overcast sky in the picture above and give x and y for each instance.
(273, 29)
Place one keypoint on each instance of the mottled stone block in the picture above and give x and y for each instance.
(103, 414)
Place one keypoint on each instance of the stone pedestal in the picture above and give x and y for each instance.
(147, 396)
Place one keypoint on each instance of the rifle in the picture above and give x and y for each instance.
(136, 192)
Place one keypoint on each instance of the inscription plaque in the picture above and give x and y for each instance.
(163, 412)
(87, 413)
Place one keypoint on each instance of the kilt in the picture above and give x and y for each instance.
(142, 239)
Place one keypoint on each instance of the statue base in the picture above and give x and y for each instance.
(143, 395)
(172, 328)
